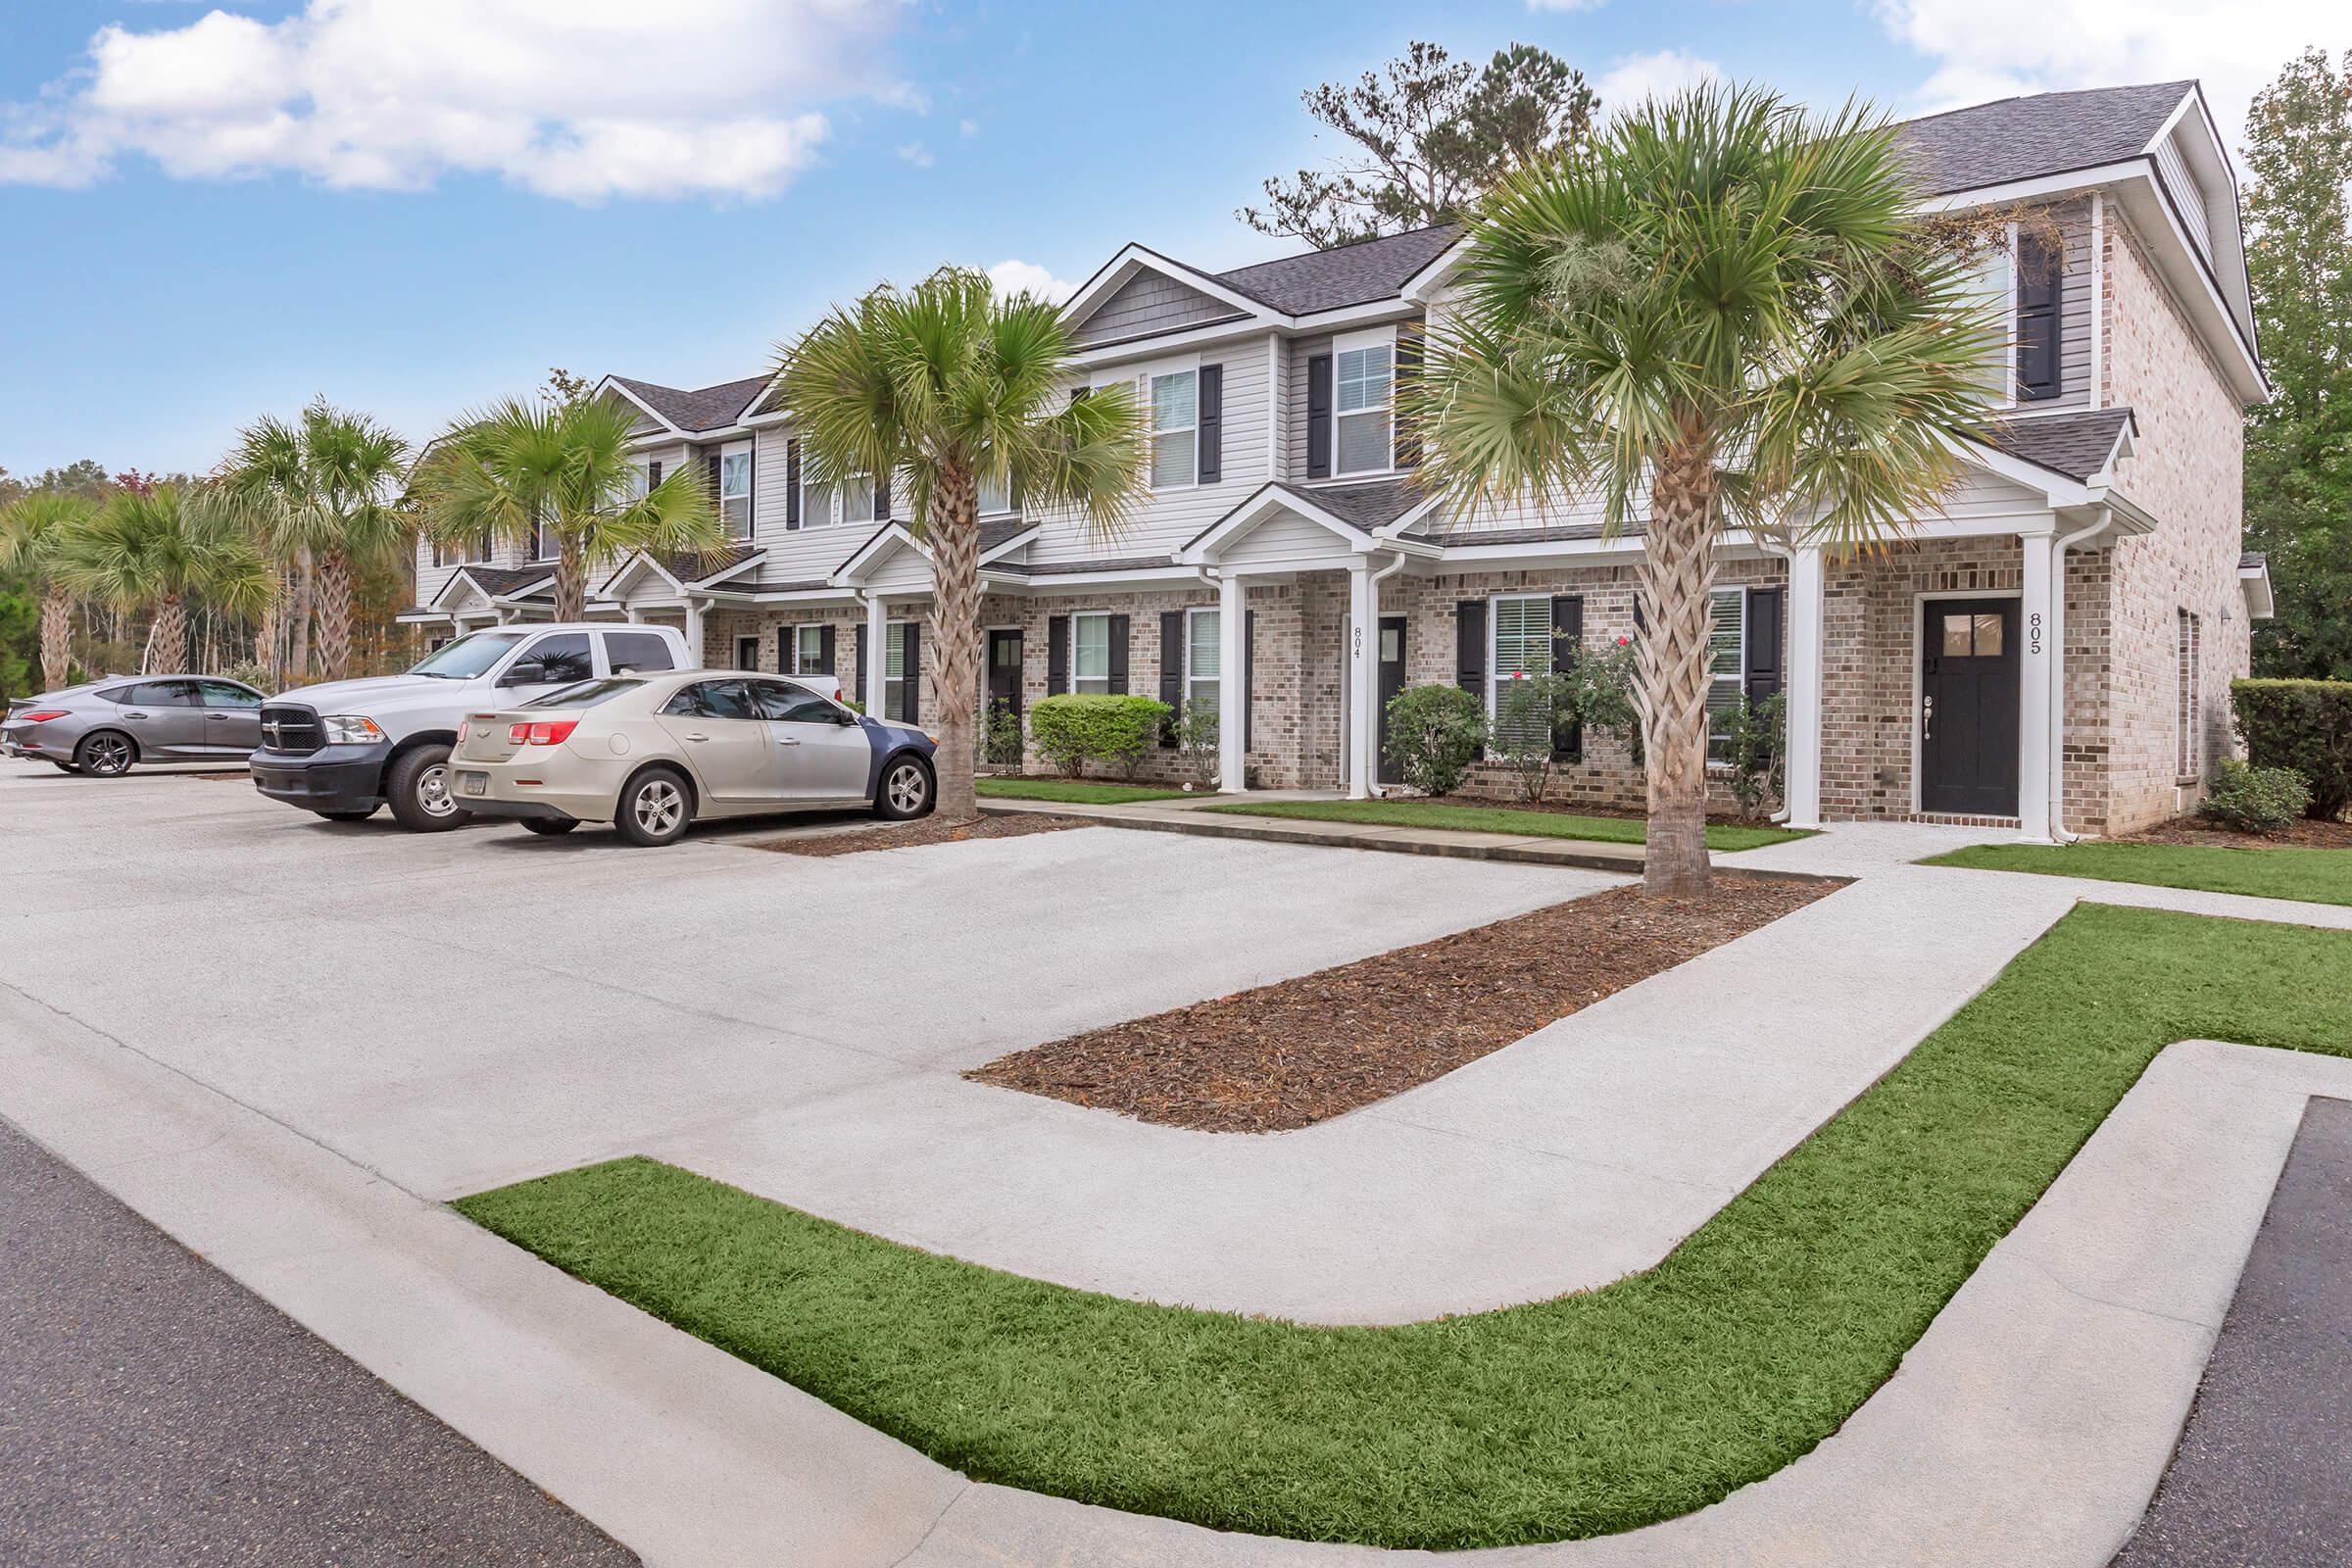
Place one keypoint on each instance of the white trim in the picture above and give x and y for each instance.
(1185, 678)
(1919, 632)
(1276, 406)
(2254, 583)
(613, 384)
(2099, 299)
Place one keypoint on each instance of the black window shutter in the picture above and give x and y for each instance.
(1567, 637)
(1249, 671)
(1408, 372)
(1212, 423)
(824, 650)
(1764, 670)
(1057, 654)
(710, 467)
(1118, 655)
(653, 472)
(1470, 648)
(910, 690)
(1171, 669)
(784, 650)
(859, 694)
(882, 497)
(2040, 285)
(792, 488)
(1318, 417)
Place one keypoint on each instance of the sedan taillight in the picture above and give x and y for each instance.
(552, 733)
(39, 716)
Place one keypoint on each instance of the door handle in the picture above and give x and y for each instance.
(134, 716)
(1926, 717)
(217, 719)
(698, 737)
(788, 739)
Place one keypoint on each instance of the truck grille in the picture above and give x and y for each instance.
(290, 731)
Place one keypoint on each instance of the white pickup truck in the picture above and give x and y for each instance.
(345, 748)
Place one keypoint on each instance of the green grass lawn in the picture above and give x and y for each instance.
(2315, 876)
(1501, 819)
(1578, 1416)
(1077, 791)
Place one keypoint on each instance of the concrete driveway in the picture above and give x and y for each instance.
(457, 1011)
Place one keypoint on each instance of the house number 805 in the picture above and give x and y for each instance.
(2034, 632)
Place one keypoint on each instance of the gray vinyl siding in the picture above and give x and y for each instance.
(1169, 518)
(794, 555)
(2188, 198)
(1149, 303)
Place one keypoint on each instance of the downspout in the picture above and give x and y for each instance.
(2064, 542)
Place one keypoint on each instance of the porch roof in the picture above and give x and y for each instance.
(2080, 445)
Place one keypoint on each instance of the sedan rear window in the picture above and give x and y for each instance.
(587, 694)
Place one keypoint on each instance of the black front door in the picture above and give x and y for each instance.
(1968, 701)
(1004, 688)
(1391, 682)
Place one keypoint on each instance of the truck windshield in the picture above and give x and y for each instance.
(587, 694)
(469, 656)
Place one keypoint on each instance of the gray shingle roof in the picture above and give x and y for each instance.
(1053, 569)
(2076, 445)
(1366, 506)
(496, 580)
(703, 407)
(1350, 274)
(1632, 530)
(2048, 133)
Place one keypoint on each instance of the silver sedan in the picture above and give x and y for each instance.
(104, 727)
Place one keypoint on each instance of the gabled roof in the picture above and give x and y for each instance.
(705, 408)
(2078, 445)
(2026, 138)
(686, 569)
(1348, 275)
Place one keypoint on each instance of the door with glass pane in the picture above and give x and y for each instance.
(1004, 695)
(1391, 682)
(1968, 707)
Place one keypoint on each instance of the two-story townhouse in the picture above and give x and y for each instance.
(2052, 648)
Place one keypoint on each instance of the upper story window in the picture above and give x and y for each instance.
(1175, 429)
(996, 496)
(1363, 374)
(545, 546)
(735, 488)
(823, 505)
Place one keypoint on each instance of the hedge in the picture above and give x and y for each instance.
(1072, 730)
(2304, 725)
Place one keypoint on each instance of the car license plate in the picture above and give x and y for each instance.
(474, 783)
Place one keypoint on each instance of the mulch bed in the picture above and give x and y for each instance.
(922, 830)
(2301, 834)
(1298, 1051)
(1574, 808)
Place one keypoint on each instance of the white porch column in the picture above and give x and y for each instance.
(1363, 680)
(2033, 697)
(877, 653)
(1233, 693)
(1804, 687)
(693, 631)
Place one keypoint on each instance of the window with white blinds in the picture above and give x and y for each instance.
(1727, 659)
(1175, 428)
(1090, 653)
(1522, 651)
(1362, 380)
(1201, 653)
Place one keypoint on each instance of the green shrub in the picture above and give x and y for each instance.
(257, 676)
(1435, 734)
(1198, 739)
(1535, 727)
(1072, 730)
(1753, 745)
(1003, 743)
(2255, 800)
(2304, 725)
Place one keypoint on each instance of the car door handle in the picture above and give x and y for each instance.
(698, 737)
(788, 739)
(134, 716)
(217, 719)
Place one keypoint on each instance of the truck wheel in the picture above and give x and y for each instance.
(655, 807)
(106, 754)
(418, 791)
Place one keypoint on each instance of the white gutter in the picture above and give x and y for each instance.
(2058, 550)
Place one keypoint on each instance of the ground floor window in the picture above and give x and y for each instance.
(1202, 653)
(2188, 745)
(1727, 662)
(894, 669)
(807, 651)
(747, 653)
(1090, 653)
(1521, 635)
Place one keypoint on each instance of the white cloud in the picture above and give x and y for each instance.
(1027, 277)
(577, 99)
(1565, 5)
(1635, 77)
(969, 127)
(916, 153)
(1992, 48)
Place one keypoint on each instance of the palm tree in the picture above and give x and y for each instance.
(152, 551)
(952, 387)
(1727, 310)
(328, 486)
(521, 465)
(35, 531)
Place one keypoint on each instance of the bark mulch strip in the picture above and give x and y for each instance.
(2303, 833)
(1298, 1051)
(924, 830)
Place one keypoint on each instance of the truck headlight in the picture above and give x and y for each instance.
(350, 729)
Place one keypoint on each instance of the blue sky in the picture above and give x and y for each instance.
(413, 206)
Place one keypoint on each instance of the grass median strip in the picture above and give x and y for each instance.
(1723, 836)
(2312, 876)
(1579, 1416)
(1078, 791)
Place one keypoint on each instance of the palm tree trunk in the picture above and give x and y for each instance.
(298, 662)
(572, 578)
(57, 636)
(335, 614)
(1678, 576)
(954, 539)
(166, 638)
